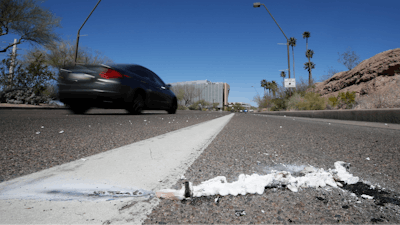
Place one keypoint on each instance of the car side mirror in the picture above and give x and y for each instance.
(168, 86)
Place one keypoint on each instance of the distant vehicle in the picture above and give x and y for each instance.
(245, 110)
(251, 110)
(116, 86)
(241, 111)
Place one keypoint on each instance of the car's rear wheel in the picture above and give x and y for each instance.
(137, 105)
(79, 108)
(173, 108)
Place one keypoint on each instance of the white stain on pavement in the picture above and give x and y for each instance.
(255, 184)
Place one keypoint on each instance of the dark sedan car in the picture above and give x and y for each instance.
(114, 86)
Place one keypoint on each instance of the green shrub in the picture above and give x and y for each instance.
(182, 107)
(343, 100)
(195, 106)
(278, 104)
(312, 101)
(50, 92)
(348, 99)
(294, 100)
(333, 101)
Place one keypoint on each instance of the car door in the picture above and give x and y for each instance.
(147, 84)
(153, 89)
(165, 94)
(162, 92)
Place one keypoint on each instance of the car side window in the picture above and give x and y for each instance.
(158, 79)
(149, 75)
(155, 78)
(138, 71)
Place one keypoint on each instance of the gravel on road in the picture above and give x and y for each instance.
(253, 143)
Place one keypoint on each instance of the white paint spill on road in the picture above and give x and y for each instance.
(367, 196)
(255, 184)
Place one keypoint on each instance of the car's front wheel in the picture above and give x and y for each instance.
(137, 105)
(173, 108)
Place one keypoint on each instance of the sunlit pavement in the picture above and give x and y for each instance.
(99, 187)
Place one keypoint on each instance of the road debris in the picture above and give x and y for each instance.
(240, 212)
(252, 184)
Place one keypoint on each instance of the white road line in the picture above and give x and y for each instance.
(64, 194)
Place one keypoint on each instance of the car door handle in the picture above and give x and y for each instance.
(163, 88)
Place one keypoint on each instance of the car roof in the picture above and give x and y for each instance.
(115, 65)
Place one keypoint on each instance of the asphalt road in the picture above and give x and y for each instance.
(253, 143)
(248, 144)
(66, 137)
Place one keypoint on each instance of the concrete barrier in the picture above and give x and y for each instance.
(370, 115)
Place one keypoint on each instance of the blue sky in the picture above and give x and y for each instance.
(228, 40)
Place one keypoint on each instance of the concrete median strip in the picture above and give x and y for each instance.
(114, 186)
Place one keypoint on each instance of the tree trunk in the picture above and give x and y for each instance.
(309, 72)
(306, 44)
(294, 76)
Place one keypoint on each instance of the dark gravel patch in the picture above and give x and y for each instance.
(23, 152)
(240, 148)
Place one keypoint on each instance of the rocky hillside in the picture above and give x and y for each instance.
(376, 74)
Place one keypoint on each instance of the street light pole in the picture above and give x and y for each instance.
(256, 5)
(77, 37)
(256, 90)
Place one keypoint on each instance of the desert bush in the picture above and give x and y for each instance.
(182, 107)
(333, 102)
(388, 99)
(293, 101)
(278, 104)
(50, 92)
(342, 100)
(203, 103)
(312, 101)
(347, 99)
(23, 96)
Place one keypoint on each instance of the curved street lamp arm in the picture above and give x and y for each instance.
(77, 37)
(276, 23)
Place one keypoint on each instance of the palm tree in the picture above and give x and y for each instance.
(309, 55)
(309, 66)
(264, 84)
(283, 75)
(273, 87)
(292, 42)
(306, 35)
(268, 86)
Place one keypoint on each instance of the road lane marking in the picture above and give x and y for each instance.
(67, 193)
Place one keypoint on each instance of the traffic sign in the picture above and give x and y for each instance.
(290, 83)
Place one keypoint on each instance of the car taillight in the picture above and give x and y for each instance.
(111, 74)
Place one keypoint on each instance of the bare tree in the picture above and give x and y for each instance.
(27, 20)
(61, 54)
(329, 74)
(179, 91)
(191, 92)
(349, 59)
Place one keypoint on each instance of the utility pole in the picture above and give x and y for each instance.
(13, 56)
